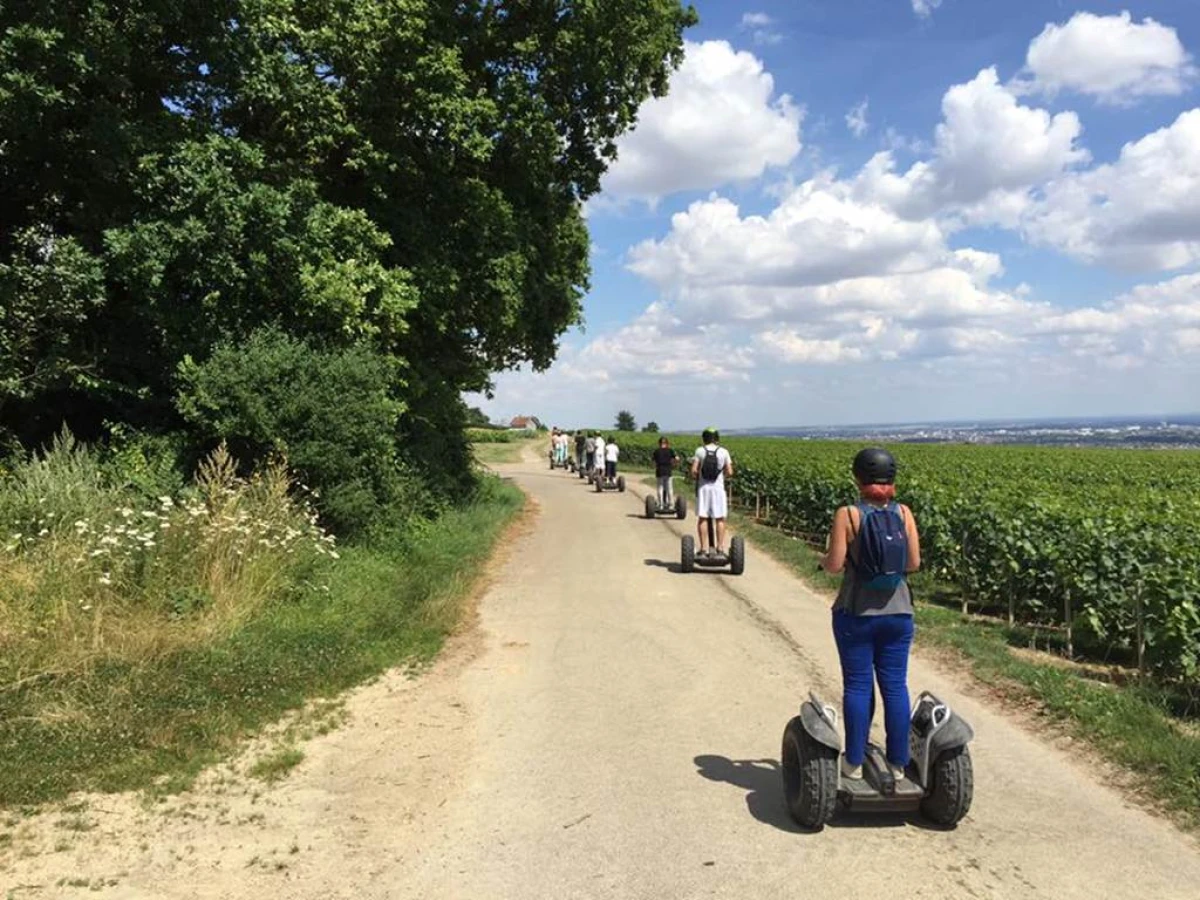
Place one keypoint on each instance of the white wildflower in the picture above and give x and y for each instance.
(105, 580)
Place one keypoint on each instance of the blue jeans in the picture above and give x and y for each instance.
(874, 647)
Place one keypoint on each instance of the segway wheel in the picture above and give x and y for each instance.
(953, 779)
(810, 778)
(737, 555)
(687, 554)
(621, 483)
(680, 508)
(650, 506)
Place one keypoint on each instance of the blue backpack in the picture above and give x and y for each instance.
(882, 547)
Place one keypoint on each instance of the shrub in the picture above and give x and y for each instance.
(332, 413)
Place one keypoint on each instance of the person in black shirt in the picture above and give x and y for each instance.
(665, 461)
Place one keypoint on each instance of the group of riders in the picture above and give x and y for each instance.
(874, 543)
(709, 466)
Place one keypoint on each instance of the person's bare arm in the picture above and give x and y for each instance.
(695, 469)
(834, 559)
(914, 540)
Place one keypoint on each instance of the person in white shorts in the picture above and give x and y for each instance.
(598, 468)
(711, 465)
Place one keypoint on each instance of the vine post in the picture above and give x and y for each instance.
(1067, 617)
(1139, 611)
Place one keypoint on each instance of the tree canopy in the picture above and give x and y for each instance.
(404, 175)
(626, 421)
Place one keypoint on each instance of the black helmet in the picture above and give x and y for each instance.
(875, 466)
(710, 436)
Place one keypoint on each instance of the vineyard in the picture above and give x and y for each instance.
(1101, 545)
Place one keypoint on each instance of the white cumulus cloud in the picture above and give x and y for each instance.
(989, 150)
(721, 122)
(1111, 58)
(925, 8)
(1140, 212)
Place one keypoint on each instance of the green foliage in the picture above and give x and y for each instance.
(1021, 529)
(650, 428)
(403, 173)
(477, 418)
(625, 421)
(331, 413)
(48, 287)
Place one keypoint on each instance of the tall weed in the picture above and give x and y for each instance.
(91, 572)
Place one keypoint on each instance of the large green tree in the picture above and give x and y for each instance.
(403, 174)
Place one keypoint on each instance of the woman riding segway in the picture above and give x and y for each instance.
(876, 544)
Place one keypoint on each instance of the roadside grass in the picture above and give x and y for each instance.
(128, 722)
(277, 764)
(1130, 725)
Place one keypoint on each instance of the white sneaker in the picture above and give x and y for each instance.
(897, 771)
(849, 771)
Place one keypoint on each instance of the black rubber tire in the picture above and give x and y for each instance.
(737, 555)
(953, 779)
(680, 507)
(621, 483)
(687, 553)
(810, 777)
(651, 506)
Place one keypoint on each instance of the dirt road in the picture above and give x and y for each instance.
(610, 730)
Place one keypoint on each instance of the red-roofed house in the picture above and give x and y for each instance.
(525, 423)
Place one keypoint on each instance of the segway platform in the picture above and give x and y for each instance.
(939, 780)
(603, 484)
(654, 508)
(735, 559)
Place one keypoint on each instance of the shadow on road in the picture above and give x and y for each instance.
(764, 799)
(676, 569)
(761, 780)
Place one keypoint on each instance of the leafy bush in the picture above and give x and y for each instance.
(331, 413)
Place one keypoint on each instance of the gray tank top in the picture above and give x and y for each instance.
(860, 600)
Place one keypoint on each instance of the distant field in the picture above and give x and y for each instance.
(1102, 545)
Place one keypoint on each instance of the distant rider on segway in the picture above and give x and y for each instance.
(665, 461)
(711, 465)
(611, 454)
(876, 544)
(580, 449)
(598, 469)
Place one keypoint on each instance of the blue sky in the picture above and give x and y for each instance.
(859, 210)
